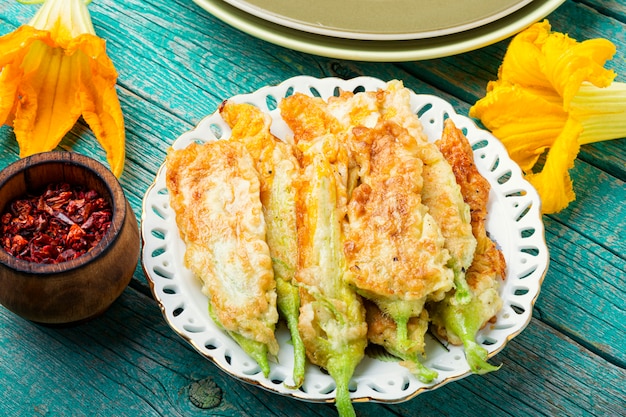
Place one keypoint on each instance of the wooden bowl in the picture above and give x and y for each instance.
(82, 288)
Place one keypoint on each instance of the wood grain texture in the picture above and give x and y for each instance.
(176, 63)
(133, 364)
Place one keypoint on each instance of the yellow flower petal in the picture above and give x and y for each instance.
(568, 64)
(553, 183)
(47, 108)
(9, 81)
(539, 58)
(527, 124)
(54, 70)
(522, 62)
(101, 110)
(99, 103)
(12, 51)
(553, 93)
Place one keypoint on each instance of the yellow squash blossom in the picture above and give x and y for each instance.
(553, 94)
(54, 70)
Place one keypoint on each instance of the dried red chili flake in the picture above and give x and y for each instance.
(59, 224)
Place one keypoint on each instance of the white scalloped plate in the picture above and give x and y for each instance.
(514, 222)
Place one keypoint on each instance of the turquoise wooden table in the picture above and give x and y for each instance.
(176, 63)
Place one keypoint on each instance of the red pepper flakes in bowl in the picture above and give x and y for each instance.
(72, 237)
(62, 223)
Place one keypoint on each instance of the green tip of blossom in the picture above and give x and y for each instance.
(288, 303)
(424, 374)
(477, 358)
(402, 333)
(462, 293)
(257, 350)
(418, 369)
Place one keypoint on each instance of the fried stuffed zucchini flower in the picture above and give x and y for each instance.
(278, 170)
(52, 71)
(215, 194)
(332, 317)
(553, 94)
(457, 322)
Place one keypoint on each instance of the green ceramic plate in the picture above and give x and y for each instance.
(380, 50)
(380, 19)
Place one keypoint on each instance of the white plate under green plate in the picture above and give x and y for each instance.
(380, 19)
(380, 50)
(514, 222)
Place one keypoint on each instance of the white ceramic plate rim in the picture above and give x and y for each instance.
(380, 51)
(320, 29)
(514, 222)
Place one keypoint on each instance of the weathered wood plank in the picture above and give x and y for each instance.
(129, 362)
(177, 67)
(607, 156)
(614, 8)
(583, 292)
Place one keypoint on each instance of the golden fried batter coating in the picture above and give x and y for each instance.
(488, 260)
(214, 191)
(359, 204)
(441, 194)
(278, 170)
(308, 117)
(394, 248)
(353, 110)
